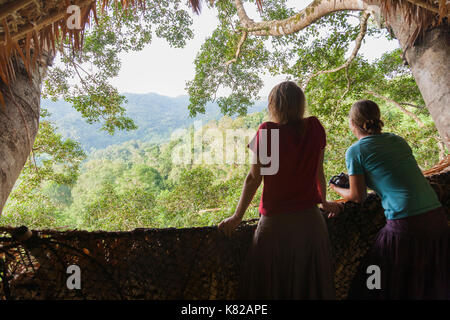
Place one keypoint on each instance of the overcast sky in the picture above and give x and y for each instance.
(164, 70)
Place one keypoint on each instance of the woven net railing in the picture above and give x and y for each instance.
(191, 263)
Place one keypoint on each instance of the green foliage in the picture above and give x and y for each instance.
(116, 32)
(213, 69)
(136, 183)
(113, 210)
(156, 116)
(301, 56)
(43, 188)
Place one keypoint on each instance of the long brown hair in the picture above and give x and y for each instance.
(287, 104)
(365, 115)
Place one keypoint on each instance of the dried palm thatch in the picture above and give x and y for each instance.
(190, 263)
(30, 27)
(421, 14)
(441, 167)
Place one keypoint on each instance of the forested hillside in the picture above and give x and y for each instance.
(137, 183)
(155, 116)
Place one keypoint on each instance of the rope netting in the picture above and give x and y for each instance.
(190, 263)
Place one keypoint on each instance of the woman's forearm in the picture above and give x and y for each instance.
(351, 194)
(321, 178)
(248, 192)
(344, 193)
(322, 185)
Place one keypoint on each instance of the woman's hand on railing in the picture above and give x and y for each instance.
(333, 208)
(228, 225)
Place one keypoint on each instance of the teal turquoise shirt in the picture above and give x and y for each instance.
(390, 169)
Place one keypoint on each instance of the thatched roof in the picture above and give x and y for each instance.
(29, 26)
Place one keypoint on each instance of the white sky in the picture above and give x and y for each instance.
(164, 70)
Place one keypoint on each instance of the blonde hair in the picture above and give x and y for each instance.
(287, 103)
(365, 114)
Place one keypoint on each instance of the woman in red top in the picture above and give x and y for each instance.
(290, 257)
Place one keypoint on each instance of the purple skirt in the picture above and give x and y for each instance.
(413, 256)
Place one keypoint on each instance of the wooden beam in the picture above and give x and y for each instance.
(12, 7)
(40, 24)
(425, 5)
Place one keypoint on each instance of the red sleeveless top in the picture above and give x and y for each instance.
(294, 186)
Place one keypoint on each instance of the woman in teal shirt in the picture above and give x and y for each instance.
(413, 249)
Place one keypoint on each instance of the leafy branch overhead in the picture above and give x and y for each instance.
(239, 52)
(83, 77)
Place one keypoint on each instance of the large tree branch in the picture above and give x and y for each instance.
(238, 50)
(347, 90)
(399, 106)
(359, 39)
(412, 105)
(441, 146)
(313, 12)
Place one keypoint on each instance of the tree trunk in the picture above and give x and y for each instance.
(429, 59)
(19, 123)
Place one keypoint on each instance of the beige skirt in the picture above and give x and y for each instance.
(290, 258)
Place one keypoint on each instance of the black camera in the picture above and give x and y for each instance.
(341, 180)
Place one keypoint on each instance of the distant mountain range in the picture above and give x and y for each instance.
(155, 115)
